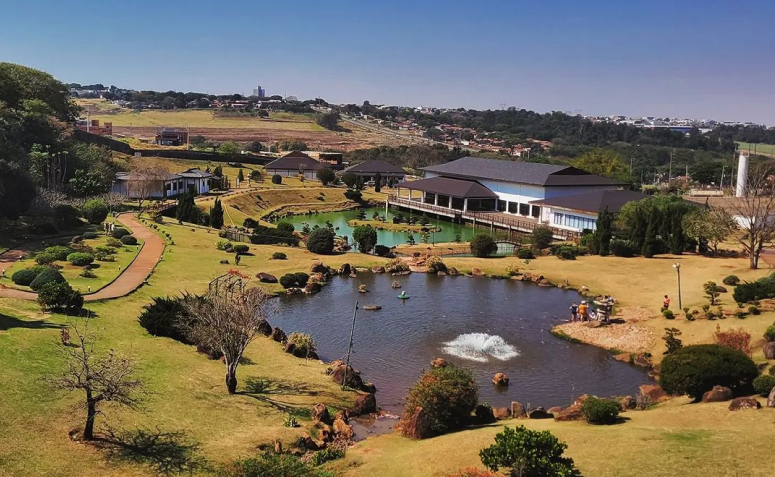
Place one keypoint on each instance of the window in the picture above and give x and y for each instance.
(536, 211)
(502, 205)
(558, 218)
(576, 222)
(524, 209)
(513, 207)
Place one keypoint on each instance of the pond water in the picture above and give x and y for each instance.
(384, 237)
(485, 325)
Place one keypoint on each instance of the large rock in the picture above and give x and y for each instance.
(417, 426)
(345, 269)
(291, 348)
(555, 410)
(320, 268)
(572, 413)
(354, 379)
(538, 413)
(265, 328)
(452, 271)
(325, 431)
(771, 398)
(266, 277)
(627, 402)
(545, 283)
(378, 269)
(654, 392)
(500, 379)
(717, 394)
(279, 335)
(744, 403)
(365, 404)
(312, 288)
(518, 410)
(642, 360)
(501, 413)
(439, 363)
(369, 387)
(320, 414)
(477, 272)
(312, 444)
(342, 429)
(769, 350)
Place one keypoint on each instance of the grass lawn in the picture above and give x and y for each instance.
(768, 149)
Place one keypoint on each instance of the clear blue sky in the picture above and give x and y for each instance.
(676, 58)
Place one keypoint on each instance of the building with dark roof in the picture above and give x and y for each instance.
(154, 184)
(580, 211)
(369, 169)
(295, 163)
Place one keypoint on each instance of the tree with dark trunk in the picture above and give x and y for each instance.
(216, 215)
(754, 213)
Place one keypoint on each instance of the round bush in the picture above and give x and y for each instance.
(277, 179)
(279, 256)
(129, 240)
(482, 245)
(90, 235)
(286, 228)
(763, 384)
(769, 333)
(240, 249)
(694, 370)
(565, 253)
(80, 259)
(668, 314)
(49, 275)
(95, 211)
(382, 250)
(600, 411)
(525, 253)
(119, 232)
(169, 316)
(542, 237)
(59, 296)
(294, 280)
(731, 280)
(447, 395)
(59, 251)
(304, 344)
(320, 241)
(26, 276)
(44, 258)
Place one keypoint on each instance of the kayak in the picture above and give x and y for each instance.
(372, 307)
(403, 297)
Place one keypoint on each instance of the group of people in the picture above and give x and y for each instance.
(584, 312)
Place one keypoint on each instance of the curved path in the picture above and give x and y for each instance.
(127, 282)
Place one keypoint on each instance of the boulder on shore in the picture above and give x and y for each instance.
(518, 410)
(265, 328)
(771, 398)
(538, 413)
(477, 272)
(718, 394)
(365, 404)
(501, 413)
(266, 277)
(338, 372)
(439, 363)
(452, 271)
(345, 269)
(342, 429)
(378, 269)
(769, 350)
(654, 392)
(418, 425)
(744, 403)
(320, 414)
(279, 335)
(500, 379)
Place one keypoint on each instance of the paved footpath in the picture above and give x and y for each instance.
(126, 283)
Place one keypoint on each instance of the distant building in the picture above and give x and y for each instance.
(134, 186)
(329, 159)
(171, 137)
(294, 164)
(93, 126)
(368, 169)
(260, 92)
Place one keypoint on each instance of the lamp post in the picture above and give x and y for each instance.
(677, 267)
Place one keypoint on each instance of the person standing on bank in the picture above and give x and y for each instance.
(574, 312)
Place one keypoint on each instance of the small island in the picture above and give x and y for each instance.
(402, 227)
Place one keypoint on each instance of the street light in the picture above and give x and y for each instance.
(677, 267)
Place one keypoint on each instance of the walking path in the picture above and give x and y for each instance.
(126, 283)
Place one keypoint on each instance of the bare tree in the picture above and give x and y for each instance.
(143, 180)
(101, 379)
(228, 322)
(755, 214)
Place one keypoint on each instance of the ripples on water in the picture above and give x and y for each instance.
(479, 347)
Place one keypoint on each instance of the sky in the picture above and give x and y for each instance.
(679, 58)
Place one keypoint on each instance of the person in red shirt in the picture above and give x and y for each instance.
(666, 303)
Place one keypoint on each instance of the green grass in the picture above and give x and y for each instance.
(768, 149)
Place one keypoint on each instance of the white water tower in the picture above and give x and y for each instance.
(742, 175)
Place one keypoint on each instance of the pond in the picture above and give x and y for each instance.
(485, 325)
(384, 237)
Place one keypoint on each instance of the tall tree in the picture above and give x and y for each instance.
(146, 181)
(216, 214)
(709, 224)
(377, 182)
(185, 206)
(16, 191)
(650, 238)
(604, 232)
(604, 162)
(754, 214)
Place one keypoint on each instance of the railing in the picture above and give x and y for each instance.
(422, 205)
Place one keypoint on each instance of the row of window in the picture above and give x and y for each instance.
(574, 221)
(517, 208)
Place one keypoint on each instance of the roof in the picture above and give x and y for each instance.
(593, 202)
(128, 176)
(372, 167)
(447, 186)
(196, 172)
(548, 175)
(294, 161)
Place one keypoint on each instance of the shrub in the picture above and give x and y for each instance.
(80, 259)
(763, 384)
(354, 195)
(26, 276)
(600, 411)
(66, 216)
(756, 290)
(396, 266)
(277, 179)
(95, 211)
(366, 238)
(668, 314)
(447, 395)
(240, 249)
(44, 258)
(263, 235)
(119, 232)
(286, 228)
(769, 333)
(694, 370)
(303, 343)
(731, 280)
(435, 264)
(49, 275)
(223, 245)
(249, 223)
(279, 256)
(321, 241)
(326, 455)
(525, 253)
(43, 227)
(528, 453)
(301, 278)
(326, 175)
(754, 310)
(169, 317)
(291, 280)
(482, 245)
(622, 248)
(272, 465)
(129, 240)
(114, 242)
(541, 237)
(76, 239)
(104, 249)
(255, 176)
(105, 257)
(87, 273)
(737, 339)
(382, 250)
(483, 413)
(60, 252)
(59, 296)
(566, 253)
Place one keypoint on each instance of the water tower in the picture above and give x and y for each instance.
(742, 175)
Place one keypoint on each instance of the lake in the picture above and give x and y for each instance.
(485, 325)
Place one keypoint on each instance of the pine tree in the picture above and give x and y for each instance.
(603, 234)
(377, 182)
(241, 176)
(216, 215)
(185, 208)
(650, 238)
(677, 239)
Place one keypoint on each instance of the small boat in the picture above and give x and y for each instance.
(372, 307)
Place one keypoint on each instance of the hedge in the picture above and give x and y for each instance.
(129, 240)
(80, 259)
(48, 275)
(119, 232)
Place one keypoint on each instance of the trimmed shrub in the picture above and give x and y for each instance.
(286, 228)
(756, 290)
(90, 235)
(169, 317)
(320, 241)
(114, 242)
(668, 314)
(277, 179)
(263, 235)
(622, 248)
(60, 252)
(129, 240)
(763, 384)
(482, 245)
(435, 264)
(291, 280)
(565, 253)
(119, 232)
(303, 343)
(59, 296)
(694, 370)
(754, 310)
(223, 245)
(525, 253)
(600, 411)
(249, 223)
(272, 465)
(354, 195)
(49, 275)
(769, 333)
(528, 453)
(541, 237)
(44, 258)
(447, 395)
(87, 273)
(104, 249)
(279, 256)
(95, 211)
(483, 413)
(26, 276)
(365, 236)
(240, 249)
(382, 250)
(731, 280)
(80, 259)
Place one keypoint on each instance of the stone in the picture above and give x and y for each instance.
(395, 285)
(378, 269)
(224, 261)
(538, 413)
(769, 350)
(353, 376)
(311, 443)
(545, 283)
(572, 413)
(718, 394)
(326, 432)
(771, 398)
(345, 269)
(312, 288)
(294, 291)
(343, 430)
(744, 403)
(343, 415)
(654, 392)
(320, 414)
(477, 272)
(623, 357)
(320, 268)
(642, 360)
(417, 426)
(317, 277)
(365, 404)
(441, 273)
(500, 379)
(555, 410)
(369, 387)
(266, 277)
(501, 413)
(627, 402)
(279, 335)
(290, 348)
(452, 271)
(439, 363)
(518, 410)
(265, 328)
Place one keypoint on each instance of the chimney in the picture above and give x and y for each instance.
(742, 175)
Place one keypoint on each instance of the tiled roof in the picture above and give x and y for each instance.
(593, 202)
(447, 186)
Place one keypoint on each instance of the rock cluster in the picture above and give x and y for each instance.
(500, 379)
(744, 403)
